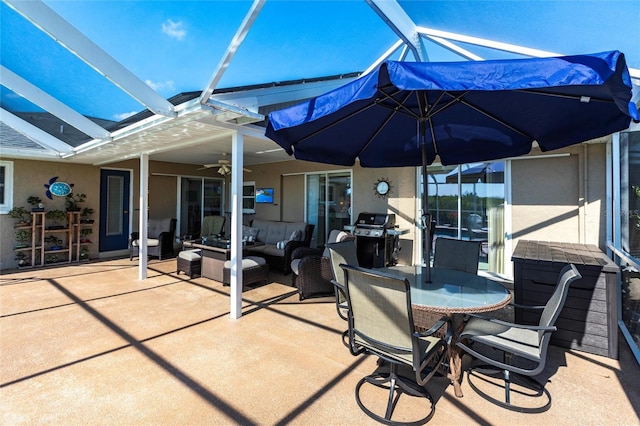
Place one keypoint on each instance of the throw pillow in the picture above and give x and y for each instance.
(281, 244)
(249, 234)
(296, 235)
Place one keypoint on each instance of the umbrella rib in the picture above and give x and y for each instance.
(399, 105)
(453, 100)
(562, 95)
(496, 119)
(348, 116)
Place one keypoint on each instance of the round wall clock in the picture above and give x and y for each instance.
(382, 187)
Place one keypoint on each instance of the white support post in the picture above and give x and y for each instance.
(237, 162)
(144, 208)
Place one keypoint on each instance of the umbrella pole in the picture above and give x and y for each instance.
(426, 217)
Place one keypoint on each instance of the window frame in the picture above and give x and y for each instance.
(7, 203)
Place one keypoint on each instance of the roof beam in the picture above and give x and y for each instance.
(397, 19)
(506, 47)
(47, 102)
(40, 137)
(455, 48)
(237, 40)
(77, 43)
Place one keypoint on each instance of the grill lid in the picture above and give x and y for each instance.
(376, 220)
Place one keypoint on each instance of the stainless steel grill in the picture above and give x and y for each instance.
(374, 244)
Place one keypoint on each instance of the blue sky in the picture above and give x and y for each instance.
(175, 45)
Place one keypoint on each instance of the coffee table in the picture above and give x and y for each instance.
(214, 254)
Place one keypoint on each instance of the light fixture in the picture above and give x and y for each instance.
(224, 169)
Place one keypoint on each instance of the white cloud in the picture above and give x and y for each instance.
(174, 29)
(160, 85)
(122, 116)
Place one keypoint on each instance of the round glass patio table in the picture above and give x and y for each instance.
(451, 293)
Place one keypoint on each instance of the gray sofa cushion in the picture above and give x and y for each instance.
(273, 231)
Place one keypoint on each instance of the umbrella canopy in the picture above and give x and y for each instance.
(484, 173)
(409, 113)
(474, 111)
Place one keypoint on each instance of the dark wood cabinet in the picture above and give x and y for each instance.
(589, 320)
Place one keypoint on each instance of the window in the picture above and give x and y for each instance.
(6, 186)
(248, 197)
(628, 221)
(630, 192)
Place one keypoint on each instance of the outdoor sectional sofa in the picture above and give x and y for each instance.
(280, 240)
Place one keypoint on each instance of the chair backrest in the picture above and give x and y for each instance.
(336, 236)
(461, 255)
(344, 252)
(381, 319)
(553, 307)
(158, 226)
(212, 225)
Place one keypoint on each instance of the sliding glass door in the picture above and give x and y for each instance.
(199, 197)
(467, 202)
(328, 203)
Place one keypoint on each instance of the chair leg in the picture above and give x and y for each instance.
(396, 385)
(486, 372)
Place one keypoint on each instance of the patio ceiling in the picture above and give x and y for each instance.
(197, 130)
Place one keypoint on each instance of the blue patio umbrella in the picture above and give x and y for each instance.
(408, 113)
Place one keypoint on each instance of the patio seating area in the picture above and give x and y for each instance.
(93, 344)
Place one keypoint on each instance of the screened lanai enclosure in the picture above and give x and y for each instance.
(79, 98)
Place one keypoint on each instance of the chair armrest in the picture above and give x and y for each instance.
(437, 326)
(290, 247)
(514, 325)
(521, 306)
(300, 252)
(134, 235)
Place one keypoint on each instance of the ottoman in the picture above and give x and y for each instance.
(189, 262)
(254, 270)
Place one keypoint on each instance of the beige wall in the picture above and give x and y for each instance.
(561, 198)
(29, 178)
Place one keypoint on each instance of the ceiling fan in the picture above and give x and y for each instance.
(223, 165)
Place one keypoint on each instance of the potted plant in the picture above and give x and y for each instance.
(72, 201)
(85, 215)
(56, 243)
(51, 258)
(22, 259)
(22, 238)
(84, 253)
(36, 203)
(84, 235)
(21, 214)
(57, 219)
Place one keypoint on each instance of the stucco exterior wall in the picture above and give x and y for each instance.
(560, 198)
(29, 178)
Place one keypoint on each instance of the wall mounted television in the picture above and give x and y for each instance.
(264, 195)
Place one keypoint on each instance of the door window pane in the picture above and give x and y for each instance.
(328, 204)
(115, 207)
(467, 202)
(199, 197)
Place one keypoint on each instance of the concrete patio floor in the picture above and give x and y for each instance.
(92, 344)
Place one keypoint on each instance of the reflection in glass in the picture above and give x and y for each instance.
(467, 202)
